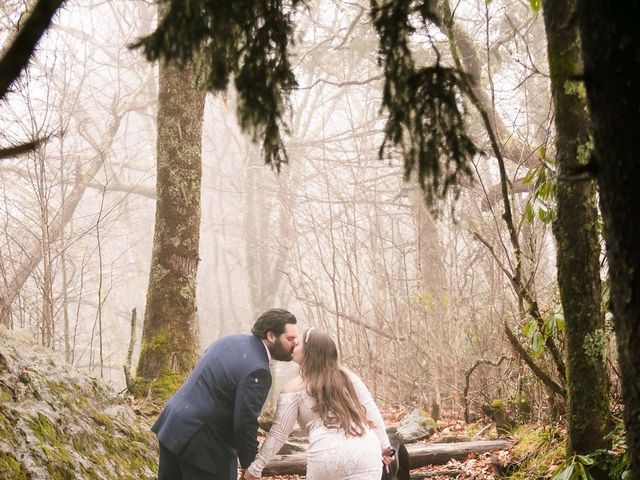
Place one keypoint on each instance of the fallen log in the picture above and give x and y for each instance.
(293, 464)
(437, 473)
(442, 453)
(419, 454)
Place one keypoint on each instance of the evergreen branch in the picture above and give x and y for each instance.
(425, 120)
(17, 56)
(243, 39)
(17, 150)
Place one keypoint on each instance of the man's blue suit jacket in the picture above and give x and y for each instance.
(213, 416)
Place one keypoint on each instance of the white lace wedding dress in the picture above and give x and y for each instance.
(331, 455)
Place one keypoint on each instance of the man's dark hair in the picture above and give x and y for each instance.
(273, 320)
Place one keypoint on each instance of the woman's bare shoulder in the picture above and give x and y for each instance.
(294, 385)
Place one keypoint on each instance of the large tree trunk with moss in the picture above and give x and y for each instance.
(169, 333)
(611, 49)
(576, 234)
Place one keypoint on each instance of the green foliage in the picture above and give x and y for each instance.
(425, 300)
(159, 389)
(535, 5)
(425, 120)
(585, 152)
(606, 305)
(246, 39)
(532, 438)
(6, 395)
(575, 468)
(45, 430)
(615, 462)
(574, 87)
(537, 335)
(542, 203)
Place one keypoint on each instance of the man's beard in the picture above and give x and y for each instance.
(279, 352)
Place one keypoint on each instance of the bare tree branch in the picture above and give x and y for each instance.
(493, 195)
(467, 378)
(11, 289)
(535, 368)
(506, 186)
(344, 84)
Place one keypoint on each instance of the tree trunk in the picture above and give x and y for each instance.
(433, 281)
(267, 231)
(611, 49)
(576, 234)
(168, 351)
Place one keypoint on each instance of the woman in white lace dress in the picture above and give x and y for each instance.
(347, 437)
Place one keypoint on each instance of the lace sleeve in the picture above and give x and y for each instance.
(373, 413)
(286, 413)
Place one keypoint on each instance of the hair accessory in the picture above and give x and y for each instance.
(306, 337)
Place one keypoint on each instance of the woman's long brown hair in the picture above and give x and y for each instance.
(337, 403)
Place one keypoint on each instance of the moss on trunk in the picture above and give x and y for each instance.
(577, 239)
(169, 342)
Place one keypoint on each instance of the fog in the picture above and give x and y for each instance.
(339, 236)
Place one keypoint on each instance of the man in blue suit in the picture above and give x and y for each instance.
(213, 418)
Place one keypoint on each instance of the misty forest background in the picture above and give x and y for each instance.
(142, 222)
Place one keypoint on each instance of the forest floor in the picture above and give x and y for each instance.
(537, 452)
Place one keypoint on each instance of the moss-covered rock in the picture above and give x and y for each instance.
(11, 468)
(59, 423)
(416, 426)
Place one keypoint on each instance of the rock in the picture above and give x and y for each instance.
(416, 426)
(59, 422)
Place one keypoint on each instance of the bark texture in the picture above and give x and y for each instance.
(575, 230)
(169, 332)
(611, 50)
